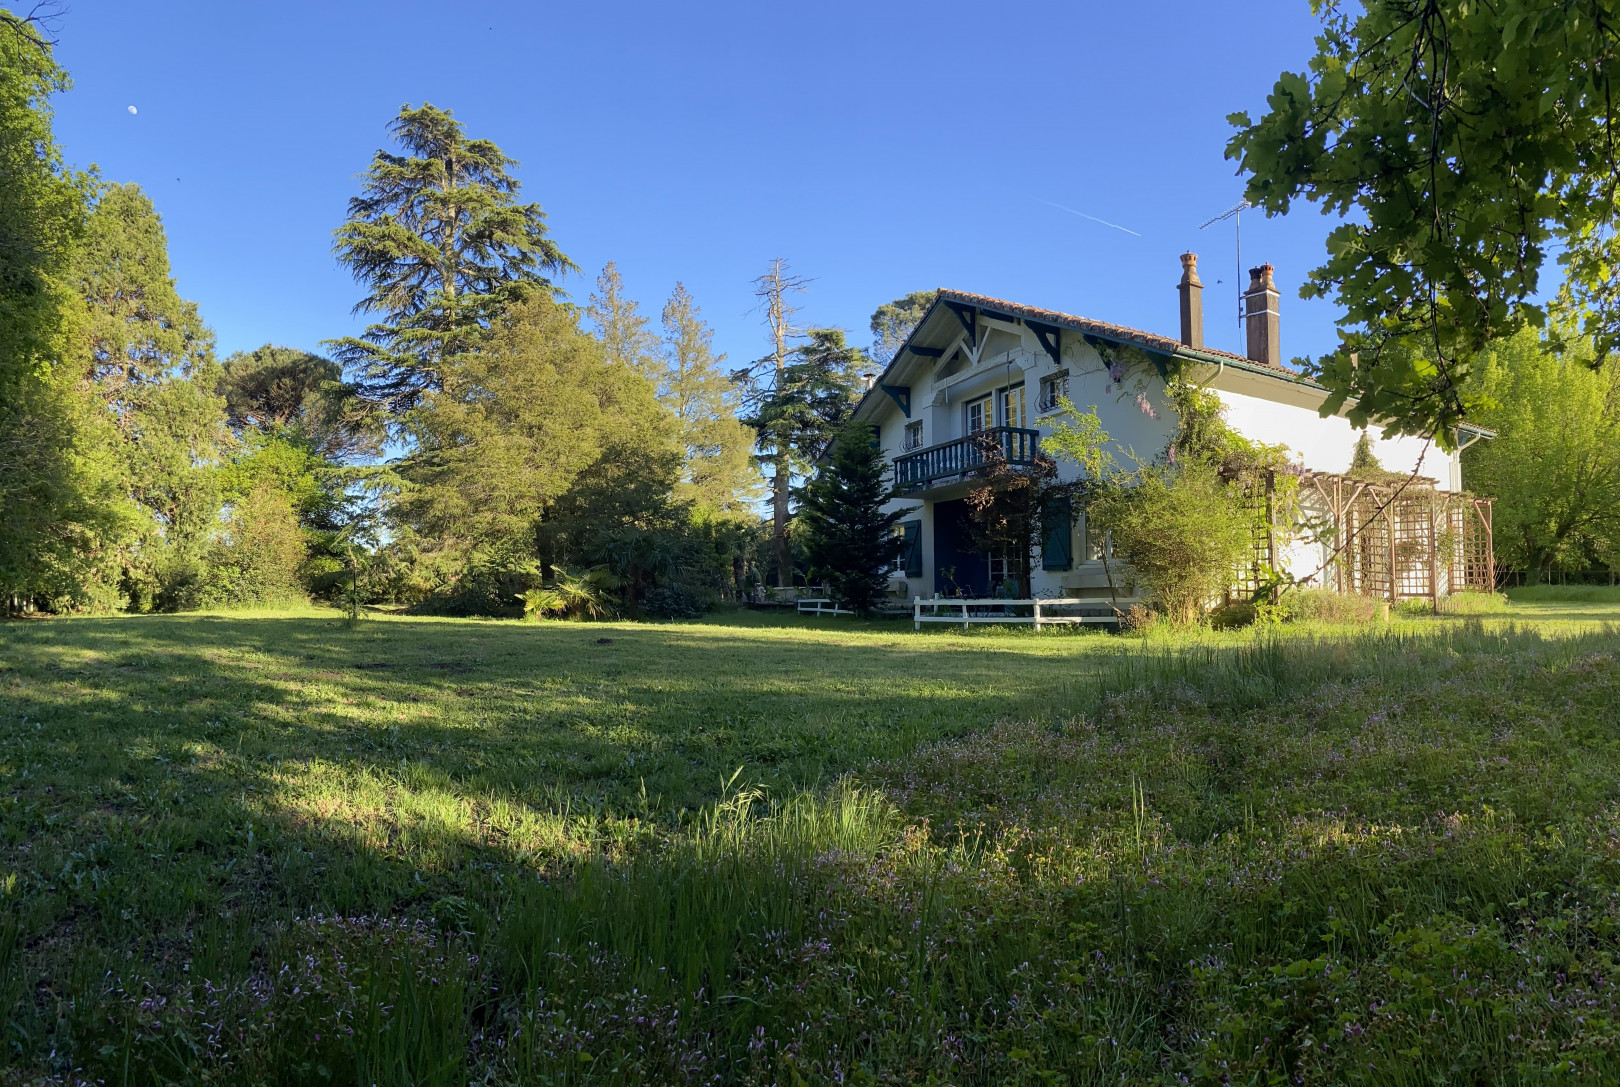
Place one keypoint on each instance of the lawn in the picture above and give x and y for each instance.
(271, 848)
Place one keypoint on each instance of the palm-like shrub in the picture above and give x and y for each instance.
(586, 594)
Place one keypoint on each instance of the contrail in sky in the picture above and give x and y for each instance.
(1093, 218)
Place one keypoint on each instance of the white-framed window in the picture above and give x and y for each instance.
(1092, 540)
(1053, 387)
(980, 415)
(1011, 406)
(913, 437)
(1004, 579)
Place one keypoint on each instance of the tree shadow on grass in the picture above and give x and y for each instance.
(162, 762)
(181, 783)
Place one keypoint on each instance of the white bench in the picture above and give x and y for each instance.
(998, 611)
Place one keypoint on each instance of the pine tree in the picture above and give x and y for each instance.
(719, 472)
(442, 247)
(893, 321)
(282, 388)
(848, 539)
(797, 415)
(813, 396)
(620, 325)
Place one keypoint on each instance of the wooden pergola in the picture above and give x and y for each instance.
(1393, 539)
(1402, 539)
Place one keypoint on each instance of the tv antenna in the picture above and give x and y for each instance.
(1234, 213)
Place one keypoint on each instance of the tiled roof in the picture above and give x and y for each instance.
(1150, 340)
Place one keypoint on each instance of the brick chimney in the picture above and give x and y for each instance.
(1192, 302)
(1260, 311)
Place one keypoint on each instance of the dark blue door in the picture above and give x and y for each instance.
(958, 563)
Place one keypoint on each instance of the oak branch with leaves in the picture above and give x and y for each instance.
(1460, 143)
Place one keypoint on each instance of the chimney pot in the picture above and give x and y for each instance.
(1192, 302)
(1260, 314)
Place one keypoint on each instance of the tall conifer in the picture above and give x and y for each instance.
(848, 539)
(150, 363)
(620, 325)
(719, 473)
(438, 239)
(774, 290)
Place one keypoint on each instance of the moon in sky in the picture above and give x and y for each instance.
(132, 109)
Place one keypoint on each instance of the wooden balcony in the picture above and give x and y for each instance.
(964, 456)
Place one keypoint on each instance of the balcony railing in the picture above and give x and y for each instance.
(1018, 446)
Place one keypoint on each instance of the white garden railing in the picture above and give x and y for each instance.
(819, 606)
(968, 611)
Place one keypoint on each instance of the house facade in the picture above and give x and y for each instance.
(980, 369)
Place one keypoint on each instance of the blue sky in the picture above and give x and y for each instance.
(881, 148)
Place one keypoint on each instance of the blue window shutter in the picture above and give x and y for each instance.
(1057, 537)
(912, 555)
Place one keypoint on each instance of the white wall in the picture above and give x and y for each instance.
(1324, 445)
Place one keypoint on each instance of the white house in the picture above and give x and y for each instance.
(979, 368)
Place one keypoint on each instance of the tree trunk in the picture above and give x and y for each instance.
(774, 286)
(779, 519)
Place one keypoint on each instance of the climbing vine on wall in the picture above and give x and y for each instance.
(1204, 514)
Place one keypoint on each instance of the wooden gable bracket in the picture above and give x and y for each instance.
(901, 395)
(1051, 337)
(969, 318)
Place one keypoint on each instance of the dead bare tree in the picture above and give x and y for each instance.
(774, 290)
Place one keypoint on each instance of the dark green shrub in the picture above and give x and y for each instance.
(672, 602)
(481, 590)
(257, 558)
(1183, 531)
(1232, 616)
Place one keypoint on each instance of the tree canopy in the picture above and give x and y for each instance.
(811, 398)
(1460, 143)
(57, 487)
(283, 388)
(893, 321)
(1554, 466)
(42, 207)
(442, 246)
(148, 360)
(516, 423)
(621, 326)
(720, 472)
